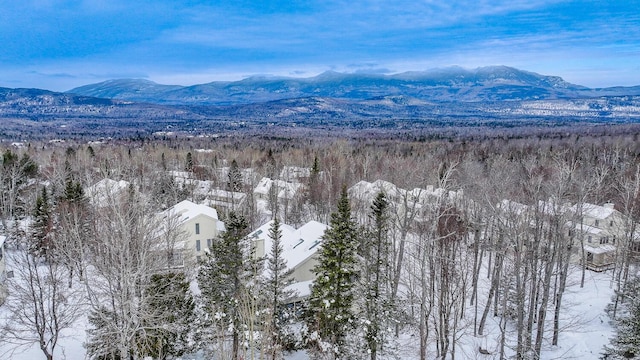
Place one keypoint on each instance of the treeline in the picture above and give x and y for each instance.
(500, 241)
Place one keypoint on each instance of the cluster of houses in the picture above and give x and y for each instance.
(187, 229)
(190, 228)
(596, 226)
(283, 189)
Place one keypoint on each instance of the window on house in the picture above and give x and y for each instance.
(197, 245)
(604, 240)
(589, 239)
(197, 229)
(596, 223)
(209, 243)
(611, 223)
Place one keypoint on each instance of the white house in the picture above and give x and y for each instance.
(294, 173)
(189, 229)
(300, 249)
(282, 189)
(599, 226)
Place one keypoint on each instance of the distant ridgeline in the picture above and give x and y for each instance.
(488, 101)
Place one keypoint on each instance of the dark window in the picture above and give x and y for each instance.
(197, 245)
(197, 229)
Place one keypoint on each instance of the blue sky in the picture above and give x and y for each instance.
(61, 44)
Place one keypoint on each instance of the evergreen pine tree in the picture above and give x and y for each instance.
(375, 278)
(277, 279)
(235, 177)
(171, 332)
(314, 182)
(330, 316)
(42, 225)
(73, 191)
(626, 342)
(222, 276)
(189, 162)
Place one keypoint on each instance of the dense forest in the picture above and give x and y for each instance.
(429, 238)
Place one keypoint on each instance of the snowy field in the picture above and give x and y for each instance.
(587, 330)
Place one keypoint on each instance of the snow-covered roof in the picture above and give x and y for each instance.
(286, 190)
(263, 233)
(101, 192)
(512, 206)
(361, 189)
(298, 244)
(302, 289)
(603, 249)
(367, 191)
(595, 211)
(187, 209)
(387, 187)
(303, 242)
(263, 187)
(584, 228)
(293, 173)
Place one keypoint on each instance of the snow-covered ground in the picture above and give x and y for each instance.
(587, 330)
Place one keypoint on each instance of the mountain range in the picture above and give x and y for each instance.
(495, 83)
(447, 101)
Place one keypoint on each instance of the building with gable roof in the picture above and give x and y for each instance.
(300, 249)
(600, 227)
(187, 230)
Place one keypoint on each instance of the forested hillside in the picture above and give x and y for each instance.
(467, 247)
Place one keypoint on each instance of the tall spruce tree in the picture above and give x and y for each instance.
(314, 188)
(330, 315)
(375, 252)
(189, 162)
(234, 176)
(626, 342)
(277, 279)
(222, 277)
(42, 226)
(170, 332)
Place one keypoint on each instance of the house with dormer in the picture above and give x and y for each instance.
(300, 249)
